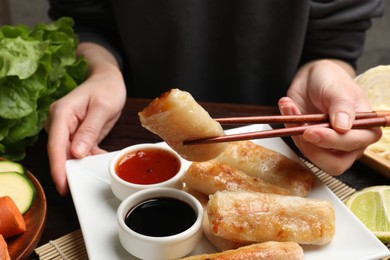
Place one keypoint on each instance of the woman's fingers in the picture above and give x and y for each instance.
(332, 151)
(352, 140)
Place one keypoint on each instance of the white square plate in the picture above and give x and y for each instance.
(96, 209)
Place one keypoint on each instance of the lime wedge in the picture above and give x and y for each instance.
(372, 206)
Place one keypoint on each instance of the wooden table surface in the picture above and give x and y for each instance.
(61, 214)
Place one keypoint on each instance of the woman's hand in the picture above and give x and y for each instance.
(80, 120)
(327, 86)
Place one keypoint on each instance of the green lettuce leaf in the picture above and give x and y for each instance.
(37, 66)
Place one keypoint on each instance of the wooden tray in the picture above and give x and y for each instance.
(376, 162)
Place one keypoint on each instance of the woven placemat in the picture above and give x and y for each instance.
(72, 247)
(339, 188)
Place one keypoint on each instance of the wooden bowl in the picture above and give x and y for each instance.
(21, 246)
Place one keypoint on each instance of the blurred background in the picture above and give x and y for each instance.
(376, 51)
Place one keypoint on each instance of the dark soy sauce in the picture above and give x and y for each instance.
(159, 217)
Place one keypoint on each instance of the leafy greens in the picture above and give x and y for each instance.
(37, 66)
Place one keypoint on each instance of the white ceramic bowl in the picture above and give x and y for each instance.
(123, 189)
(166, 247)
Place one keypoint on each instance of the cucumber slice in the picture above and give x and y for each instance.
(10, 166)
(19, 188)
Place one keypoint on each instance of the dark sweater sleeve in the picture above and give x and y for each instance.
(94, 22)
(336, 28)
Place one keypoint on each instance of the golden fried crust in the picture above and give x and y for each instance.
(211, 176)
(220, 243)
(258, 217)
(260, 251)
(268, 165)
(175, 116)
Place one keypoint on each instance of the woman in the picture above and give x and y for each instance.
(298, 54)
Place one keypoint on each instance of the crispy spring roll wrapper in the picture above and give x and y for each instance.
(211, 176)
(201, 197)
(268, 165)
(175, 116)
(257, 217)
(220, 243)
(261, 251)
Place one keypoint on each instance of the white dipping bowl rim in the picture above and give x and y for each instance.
(123, 189)
(143, 195)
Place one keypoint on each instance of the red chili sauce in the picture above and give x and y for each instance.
(147, 166)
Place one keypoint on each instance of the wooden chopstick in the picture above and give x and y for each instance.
(294, 118)
(290, 131)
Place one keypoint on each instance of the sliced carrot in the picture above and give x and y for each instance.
(11, 220)
(4, 254)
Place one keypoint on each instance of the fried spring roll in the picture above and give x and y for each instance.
(201, 197)
(258, 217)
(211, 176)
(261, 251)
(175, 116)
(220, 243)
(268, 165)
